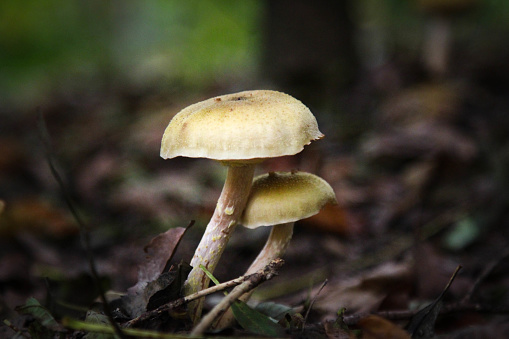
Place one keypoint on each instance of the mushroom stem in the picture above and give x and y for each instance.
(274, 248)
(228, 210)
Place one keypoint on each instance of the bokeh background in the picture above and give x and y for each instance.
(411, 95)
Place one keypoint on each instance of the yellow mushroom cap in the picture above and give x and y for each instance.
(241, 126)
(282, 197)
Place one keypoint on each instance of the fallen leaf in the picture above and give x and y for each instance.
(337, 329)
(365, 293)
(422, 324)
(174, 289)
(334, 331)
(36, 216)
(254, 321)
(375, 327)
(150, 295)
(158, 252)
(151, 278)
(274, 310)
(98, 318)
(44, 324)
(332, 218)
(34, 308)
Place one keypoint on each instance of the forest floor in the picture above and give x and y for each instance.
(421, 221)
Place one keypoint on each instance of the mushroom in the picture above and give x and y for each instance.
(279, 199)
(239, 130)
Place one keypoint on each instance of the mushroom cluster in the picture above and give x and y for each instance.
(239, 130)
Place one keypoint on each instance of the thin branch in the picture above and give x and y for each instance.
(312, 303)
(276, 264)
(407, 314)
(397, 315)
(465, 305)
(19, 332)
(84, 235)
(221, 307)
(485, 273)
(252, 282)
(456, 271)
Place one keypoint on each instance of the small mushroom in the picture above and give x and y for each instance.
(239, 130)
(279, 199)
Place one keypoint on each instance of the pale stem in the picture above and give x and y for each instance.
(275, 247)
(228, 210)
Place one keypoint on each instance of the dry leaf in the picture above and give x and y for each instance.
(158, 252)
(36, 216)
(151, 278)
(364, 293)
(334, 331)
(332, 218)
(375, 327)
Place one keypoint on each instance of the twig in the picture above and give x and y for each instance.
(465, 305)
(84, 235)
(397, 315)
(312, 303)
(220, 308)
(107, 331)
(181, 301)
(407, 314)
(252, 282)
(456, 271)
(18, 331)
(487, 271)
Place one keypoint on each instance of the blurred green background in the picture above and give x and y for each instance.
(51, 46)
(54, 45)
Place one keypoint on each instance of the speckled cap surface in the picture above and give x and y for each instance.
(282, 197)
(241, 126)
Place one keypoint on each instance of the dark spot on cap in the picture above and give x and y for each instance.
(238, 99)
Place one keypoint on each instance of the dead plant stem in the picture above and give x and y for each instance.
(267, 273)
(252, 281)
